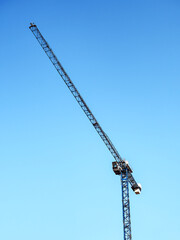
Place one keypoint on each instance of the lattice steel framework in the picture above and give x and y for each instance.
(125, 204)
(126, 174)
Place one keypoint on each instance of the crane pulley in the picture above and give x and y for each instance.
(120, 166)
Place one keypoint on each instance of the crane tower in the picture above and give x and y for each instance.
(120, 166)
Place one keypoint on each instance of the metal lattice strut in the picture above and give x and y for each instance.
(75, 92)
(126, 205)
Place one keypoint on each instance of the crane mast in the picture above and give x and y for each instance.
(120, 166)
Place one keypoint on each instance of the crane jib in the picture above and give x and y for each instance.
(74, 91)
(79, 98)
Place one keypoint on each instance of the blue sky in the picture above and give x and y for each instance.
(56, 180)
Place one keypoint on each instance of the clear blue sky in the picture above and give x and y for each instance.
(56, 180)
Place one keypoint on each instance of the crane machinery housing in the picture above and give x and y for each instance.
(120, 166)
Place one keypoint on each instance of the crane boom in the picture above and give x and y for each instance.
(80, 100)
(75, 92)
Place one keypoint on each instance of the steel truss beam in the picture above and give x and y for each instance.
(75, 92)
(126, 205)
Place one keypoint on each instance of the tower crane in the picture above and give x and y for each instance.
(120, 166)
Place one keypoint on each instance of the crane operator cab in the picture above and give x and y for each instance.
(116, 168)
(137, 188)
